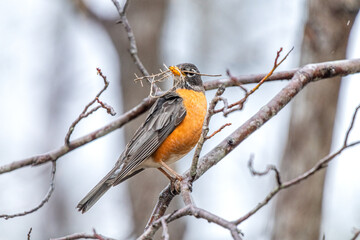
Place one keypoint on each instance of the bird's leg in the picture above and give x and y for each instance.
(172, 179)
(175, 188)
(177, 176)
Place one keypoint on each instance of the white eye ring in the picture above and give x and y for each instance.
(190, 74)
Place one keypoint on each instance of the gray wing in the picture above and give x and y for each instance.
(167, 112)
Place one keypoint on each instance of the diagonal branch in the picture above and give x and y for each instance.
(57, 153)
(302, 77)
(322, 163)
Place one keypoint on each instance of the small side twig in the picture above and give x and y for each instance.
(351, 126)
(85, 113)
(322, 163)
(45, 200)
(205, 130)
(234, 80)
(133, 47)
(240, 104)
(265, 172)
(217, 131)
(29, 234)
(108, 108)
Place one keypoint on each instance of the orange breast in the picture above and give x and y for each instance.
(187, 133)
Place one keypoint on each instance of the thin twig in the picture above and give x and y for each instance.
(45, 200)
(29, 234)
(240, 104)
(322, 163)
(351, 126)
(217, 131)
(133, 47)
(205, 130)
(265, 172)
(356, 233)
(85, 113)
(108, 108)
(235, 80)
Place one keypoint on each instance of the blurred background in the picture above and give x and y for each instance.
(48, 59)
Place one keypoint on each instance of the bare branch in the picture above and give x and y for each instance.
(165, 197)
(29, 234)
(45, 200)
(185, 192)
(282, 75)
(85, 113)
(55, 154)
(322, 163)
(165, 234)
(302, 77)
(191, 210)
(265, 172)
(235, 81)
(108, 108)
(240, 104)
(307, 74)
(205, 129)
(351, 126)
(133, 47)
(217, 131)
(74, 236)
(356, 234)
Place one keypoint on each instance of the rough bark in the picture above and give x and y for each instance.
(298, 210)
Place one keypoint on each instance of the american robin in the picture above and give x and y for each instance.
(171, 129)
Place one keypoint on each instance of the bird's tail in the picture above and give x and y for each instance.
(93, 196)
(111, 179)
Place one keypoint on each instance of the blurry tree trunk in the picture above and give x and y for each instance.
(146, 19)
(298, 210)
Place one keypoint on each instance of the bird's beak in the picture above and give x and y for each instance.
(175, 70)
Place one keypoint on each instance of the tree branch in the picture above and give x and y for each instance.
(74, 236)
(191, 210)
(133, 47)
(45, 200)
(57, 153)
(356, 234)
(85, 113)
(314, 71)
(322, 163)
(301, 78)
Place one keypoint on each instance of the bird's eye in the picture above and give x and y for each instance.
(191, 73)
